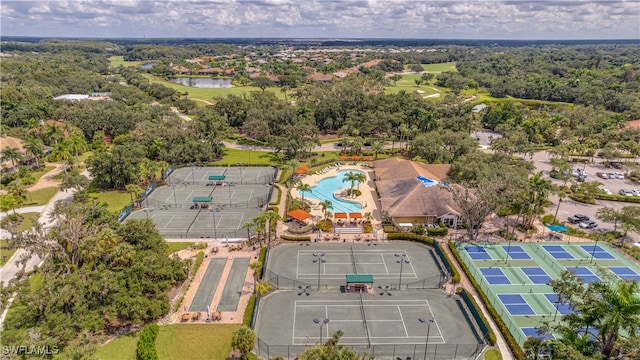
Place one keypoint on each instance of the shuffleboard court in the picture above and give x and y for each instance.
(233, 286)
(208, 285)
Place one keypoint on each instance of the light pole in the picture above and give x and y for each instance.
(175, 202)
(321, 324)
(319, 258)
(402, 259)
(215, 230)
(428, 322)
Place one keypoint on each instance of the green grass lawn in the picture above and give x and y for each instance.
(233, 156)
(40, 197)
(115, 199)
(116, 61)
(209, 94)
(195, 341)
(122, 348)
(407, 83)
(492, 354)
(82, 158)
(28, 219)
(177, 246)
(179, 341)
(436, 68)
(5, 251)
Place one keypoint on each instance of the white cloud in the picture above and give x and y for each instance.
(325, 18)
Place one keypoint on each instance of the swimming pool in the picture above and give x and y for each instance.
(326, 188)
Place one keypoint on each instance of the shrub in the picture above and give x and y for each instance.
(631, 199)
(325, 225)
(261, 258)
(295, 238)
(439, 231)
(147, 343)
(303, 230)
(278, 197)
(411, 237)
(511, 341)
(248, 311)
(548, 220)
(367, 228)
(582, 198)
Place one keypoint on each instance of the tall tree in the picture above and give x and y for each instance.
(13, 155)
(243, 339)
(34, 147)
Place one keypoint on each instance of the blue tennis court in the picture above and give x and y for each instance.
(557, 252)
(516, 252)
(625, 272)
(516, 304)
(495, 276)
(537, 275)
(534, 332)
(584, 272)
(562, 308)
(599, 253)
(477, 252)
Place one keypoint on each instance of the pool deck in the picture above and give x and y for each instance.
(366, 200)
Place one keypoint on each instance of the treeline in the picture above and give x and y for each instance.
(98, 277)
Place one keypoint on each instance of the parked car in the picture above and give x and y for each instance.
(636, 192)
(602, 175)
(588, 224)
(606, 191)
(616, 165)
(619, 176)
(625, 192)
(577, 218)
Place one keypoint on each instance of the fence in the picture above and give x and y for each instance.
(148, 191)
(433, 282)
(395, 351)
(125, 212)
(484, 328)
(254, 316)
(166, 173)
(283, 282)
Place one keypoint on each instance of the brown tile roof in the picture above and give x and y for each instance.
(633, 124)
(402, 194)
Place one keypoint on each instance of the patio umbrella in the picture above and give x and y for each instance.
(342, 157)
(340, 215)
(355, 215)
(355, 157)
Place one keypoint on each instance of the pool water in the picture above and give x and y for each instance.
(557, 228)
(326, 188)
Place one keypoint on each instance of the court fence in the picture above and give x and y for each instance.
(394, 351)
(284, 283)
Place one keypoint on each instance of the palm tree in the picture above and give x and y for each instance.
(377, 147)
(61, 152)
(561, 195)
(532, 346)
(302, 187)
(360, 178)
(18, 190)
(13, 155)
(53, 133)
(77, 142)
(134, 192)
(34, 147)
(326, 206)
(619, 310)
(272, 218)
(352, 177)
(538, 196)
(248, 225)
(256, 266)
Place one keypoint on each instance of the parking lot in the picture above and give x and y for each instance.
(570, 207)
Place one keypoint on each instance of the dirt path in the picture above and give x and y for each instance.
(46, 181)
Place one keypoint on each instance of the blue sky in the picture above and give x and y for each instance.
(446, 19)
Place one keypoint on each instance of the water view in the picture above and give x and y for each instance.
(207, 83)
(326, 188)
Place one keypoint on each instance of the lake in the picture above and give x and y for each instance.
(148, 65)
(208, 83)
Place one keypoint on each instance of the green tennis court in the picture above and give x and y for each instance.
(516, 277)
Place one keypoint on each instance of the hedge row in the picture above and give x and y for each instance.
(410, 237)
(261, 258)
(295, 238)
(504, 329)
(623, 198)
(491, 335)
(147, 343)
(439, 231)
(581, 198)
(455, 275)
(277, 202)
(248, 311)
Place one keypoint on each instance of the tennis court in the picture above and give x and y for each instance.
(517, 277)
(401, 316)
(208, 209)
(418, 267)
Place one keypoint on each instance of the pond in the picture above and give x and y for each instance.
(208, 83)
(148, 65)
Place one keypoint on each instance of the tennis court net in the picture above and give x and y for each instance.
(364, 321)
(353, 261)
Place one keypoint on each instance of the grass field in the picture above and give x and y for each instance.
(492, 354)
(486, 98)
(116, 61)
(5, 252)
(123, 348)
(233, 156)
(115, 199)
(209, 94)
(436, 68)
(28, 219)
(177, 246)
(40, 197)
(407, 83)
(180, 341)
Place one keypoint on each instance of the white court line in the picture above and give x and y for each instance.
(169, 222)
(402, 318)
(435, 320)
(240, 222)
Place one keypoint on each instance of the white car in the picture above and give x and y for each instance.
(636, 192)
(606, 191)
(619, 176)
